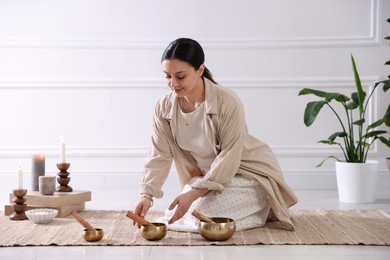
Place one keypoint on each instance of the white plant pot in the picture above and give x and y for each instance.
(356, 182)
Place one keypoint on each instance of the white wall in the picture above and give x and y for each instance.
(90, 71)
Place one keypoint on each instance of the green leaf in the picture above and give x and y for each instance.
(337, 96)
(359, 122)
(387, 116)
(386, 85)
(352, 105)
(307, 91)
(337, 134)
(311, 111)
(376, 124)
(358, 86)
(385, 141)
(355, 97)
(342, 98)
(374, 133)
(322, 162)
(327, 142)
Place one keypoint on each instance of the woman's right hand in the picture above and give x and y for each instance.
(142, 208)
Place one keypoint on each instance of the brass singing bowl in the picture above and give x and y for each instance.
(223, 229)
(92, 236)
(152, 233)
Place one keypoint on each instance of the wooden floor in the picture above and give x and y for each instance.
(308, 199)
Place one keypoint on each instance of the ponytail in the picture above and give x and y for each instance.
(207, 74)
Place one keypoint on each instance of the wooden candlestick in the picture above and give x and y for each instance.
(138, 219)
(82, 221)
(202, 217)
(63, 178)
(19, 207)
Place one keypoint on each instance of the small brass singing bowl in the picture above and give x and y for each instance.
(152, 233)
(223, 229)
(93, 236)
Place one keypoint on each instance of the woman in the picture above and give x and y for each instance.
(224, 171)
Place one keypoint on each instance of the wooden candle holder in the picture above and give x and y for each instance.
(63, 178)
(19, 207)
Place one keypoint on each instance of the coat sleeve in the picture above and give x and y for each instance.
(159, 159)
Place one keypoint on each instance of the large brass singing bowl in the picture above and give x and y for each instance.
(92, 236)
(152, 233)
(223, 229)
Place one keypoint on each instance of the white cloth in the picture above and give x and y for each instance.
(191, 136)
(243, 200)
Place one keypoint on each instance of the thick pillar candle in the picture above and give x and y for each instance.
(37, 169)
(62, 150)
(47, 184)
(20, 176)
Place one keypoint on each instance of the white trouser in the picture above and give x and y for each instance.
(243, 200)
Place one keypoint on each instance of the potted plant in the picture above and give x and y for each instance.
(387, 115)
(387, 122)
(355, 138)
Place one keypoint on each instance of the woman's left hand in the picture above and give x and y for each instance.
(183, 203)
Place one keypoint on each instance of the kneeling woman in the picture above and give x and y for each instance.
(201, 127)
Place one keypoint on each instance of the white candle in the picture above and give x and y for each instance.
(62, 148)
(20, 176)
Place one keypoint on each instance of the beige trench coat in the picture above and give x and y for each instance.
(237, 152)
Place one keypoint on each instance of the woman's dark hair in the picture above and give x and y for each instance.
(188, 50)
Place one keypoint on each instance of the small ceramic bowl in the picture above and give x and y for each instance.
(152, 233)
(41, 216)
(92, 236)
(223, 229)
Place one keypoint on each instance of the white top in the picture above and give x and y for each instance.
(191, 136)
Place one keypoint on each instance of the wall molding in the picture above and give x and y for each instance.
(131, 83)
(125, 180)
(153, 83)
(371, 39)
(299, 42)
(131, 152)
(76, 152)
